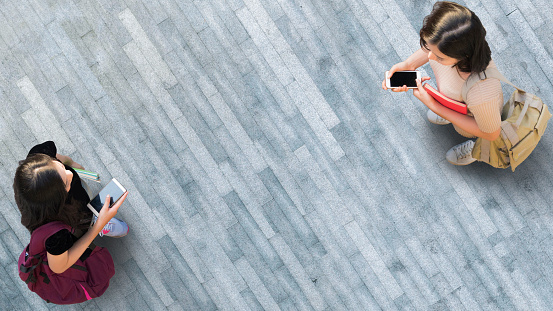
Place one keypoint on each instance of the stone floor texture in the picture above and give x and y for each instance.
(267, 169)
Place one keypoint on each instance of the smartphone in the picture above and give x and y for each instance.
(115, 191)
(401, 78)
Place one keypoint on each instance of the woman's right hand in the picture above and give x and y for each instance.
(107, 213)
(397, 67)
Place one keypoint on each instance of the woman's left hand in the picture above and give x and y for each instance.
(421, 93)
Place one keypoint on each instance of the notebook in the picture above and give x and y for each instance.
(446, 101)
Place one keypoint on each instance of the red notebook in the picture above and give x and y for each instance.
(446, 101)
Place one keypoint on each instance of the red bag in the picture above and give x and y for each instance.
(83, 281)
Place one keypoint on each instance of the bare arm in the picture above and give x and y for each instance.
(460, 120)
(68, 161)
(62, 262)
(417, 59)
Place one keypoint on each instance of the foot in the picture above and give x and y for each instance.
(461, 154)
(115, 228)
(436, 119)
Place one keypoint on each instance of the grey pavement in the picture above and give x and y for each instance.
(267, 169)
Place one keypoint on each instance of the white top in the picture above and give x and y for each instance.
(484, 100)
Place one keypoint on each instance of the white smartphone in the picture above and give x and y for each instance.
(115, 191)
(401, 78)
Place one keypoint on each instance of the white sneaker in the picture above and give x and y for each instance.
(436, 119)
(115, 228)
(461, 154)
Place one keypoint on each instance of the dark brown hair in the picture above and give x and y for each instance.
(458, 33)
(40, 194)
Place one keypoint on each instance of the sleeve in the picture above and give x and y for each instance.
(48, 148)
(59, 242)
(485, 101)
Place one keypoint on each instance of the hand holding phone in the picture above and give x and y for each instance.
(108, 212)
(403, 78)
(115, 192)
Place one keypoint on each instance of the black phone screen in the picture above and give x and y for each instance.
(114, 191)
(401, 78)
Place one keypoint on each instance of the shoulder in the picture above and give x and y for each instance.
(48, 148)
(59, 242)
(483, 88)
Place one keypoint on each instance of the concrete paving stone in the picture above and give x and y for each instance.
(141, 33)
(76, 60)
(518, 247)
(252, 230)
(300, 225)
(371, 281)
(529, 290)
(287, 305)
(202, 155)
(239, 97)
(315, 123)
(44, 88)
(295, 293)
(157, 115)
(193, 98)
(226, 13)
(217, 36)
(272, 121)
(216, 226)
(372, 257)
(148, 23)
(118, 118)
(183, 284)
(289, 210)
(285, 187)
(181, 27)
(5, 302)
(12, 14)
(259, 295)
(174, 228)
(240, 163)
(251, 300)
(20, 302)
(157, 86)
(302, 38)
(263, 265)
(238, 132)
(6, 257)
(319, 178)
(137, 301)
(113, 34)
(84, 99)
(8, 33)
(194, 15)
(260, 39)
(3, 224)
(223, 269)
(205, 185)
(14, 147)
(156, 11)
(248, 198)
(301, 252)
(109, 74)
(144, 287)
(542, 287)
(265, 74)
(531, 40)
(338, 295)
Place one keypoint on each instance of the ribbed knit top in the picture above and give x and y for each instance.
(484, 99)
